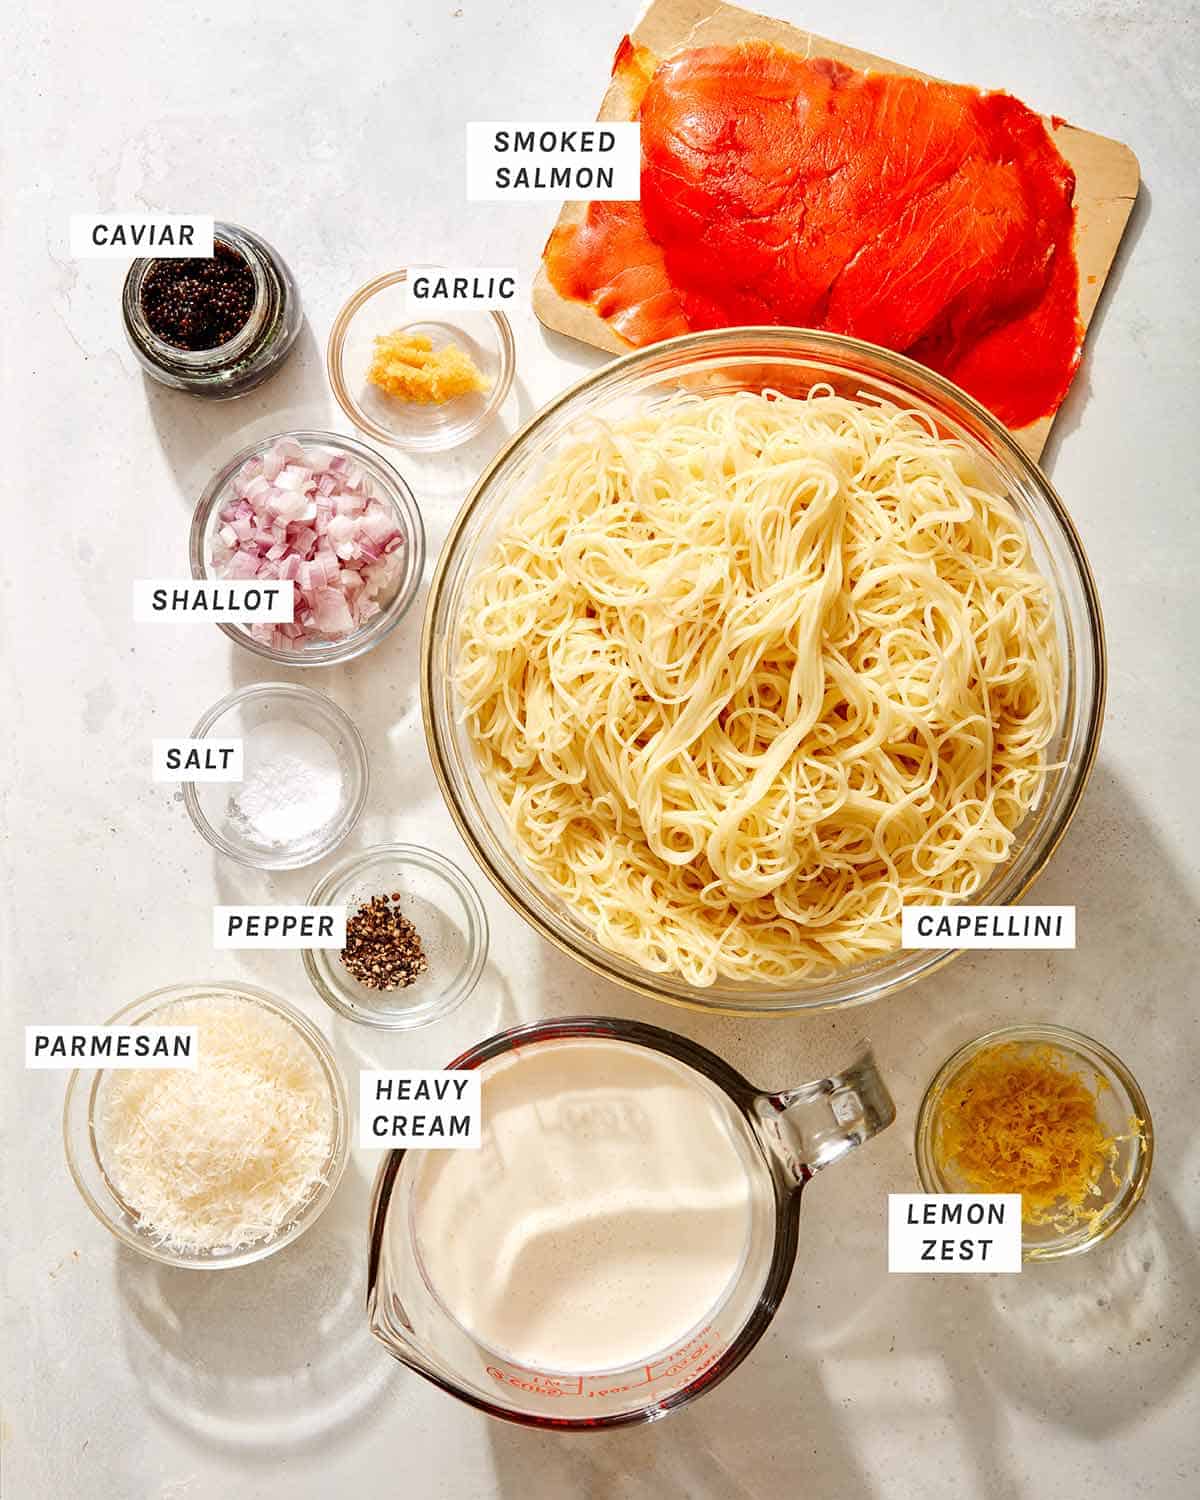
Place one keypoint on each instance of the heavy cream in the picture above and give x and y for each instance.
(604, 1217)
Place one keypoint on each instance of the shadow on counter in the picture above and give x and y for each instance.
(585, 358)
(488, 1009)
(197, 435)
(859, 1366)
(1070, 413)
(1097, 1341)
(442, 481)
(379, 691)
(769, 1429)
(265, 1360)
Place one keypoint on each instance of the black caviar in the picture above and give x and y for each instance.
(199, 304)
(383, 949)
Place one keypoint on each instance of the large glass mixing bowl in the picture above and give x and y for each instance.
(789, 360)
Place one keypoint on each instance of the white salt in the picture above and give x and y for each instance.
(292, 786)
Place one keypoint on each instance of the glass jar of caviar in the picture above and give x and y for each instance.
(214, 327)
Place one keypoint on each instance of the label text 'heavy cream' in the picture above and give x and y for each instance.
(422, 1108)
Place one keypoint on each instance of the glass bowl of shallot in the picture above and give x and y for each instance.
(327, 514)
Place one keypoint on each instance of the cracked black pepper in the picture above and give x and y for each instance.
(383, 949)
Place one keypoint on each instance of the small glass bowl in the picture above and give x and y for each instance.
(1119, 1100)
(85, 1155)
(386, 486)
(237, 716)
(442, 905)
(379, 308)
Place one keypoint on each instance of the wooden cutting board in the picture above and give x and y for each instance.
(1106, 172)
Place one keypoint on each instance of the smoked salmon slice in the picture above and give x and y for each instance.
(928, 217)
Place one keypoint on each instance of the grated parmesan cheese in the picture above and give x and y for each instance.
(223, 1156)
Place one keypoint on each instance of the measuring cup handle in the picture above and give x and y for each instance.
(812, 1125)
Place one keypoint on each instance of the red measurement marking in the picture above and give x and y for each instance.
(692, 1359)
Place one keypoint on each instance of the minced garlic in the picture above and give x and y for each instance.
(407, 366)
(1017, 1120)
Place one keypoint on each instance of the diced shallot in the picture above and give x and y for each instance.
(242, 565)
(378, 524)
(332, 613)
(307, 516)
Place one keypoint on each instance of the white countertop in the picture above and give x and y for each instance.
(336, 131)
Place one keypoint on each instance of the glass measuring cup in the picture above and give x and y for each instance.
(781, 1139)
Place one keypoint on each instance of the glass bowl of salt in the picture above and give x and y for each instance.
(304, 777)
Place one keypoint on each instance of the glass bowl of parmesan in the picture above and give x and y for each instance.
(220, 1158)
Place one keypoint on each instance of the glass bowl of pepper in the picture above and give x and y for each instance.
(416, 937)
(1050, 1114)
